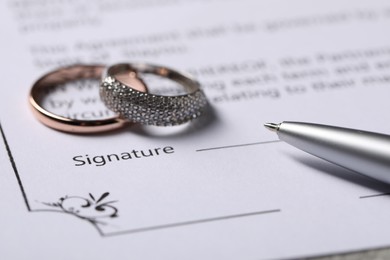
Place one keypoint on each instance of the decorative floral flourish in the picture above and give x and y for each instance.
(88, 208)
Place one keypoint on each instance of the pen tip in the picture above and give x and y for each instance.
(272, 126)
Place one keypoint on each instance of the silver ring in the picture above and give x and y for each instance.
(147, 108)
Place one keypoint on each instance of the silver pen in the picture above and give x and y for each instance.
(364, 152)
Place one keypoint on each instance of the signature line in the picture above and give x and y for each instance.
(236, 145)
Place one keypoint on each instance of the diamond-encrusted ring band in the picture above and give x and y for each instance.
(148, 108)
(50, 81)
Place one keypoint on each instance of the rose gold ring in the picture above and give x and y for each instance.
(65, 124)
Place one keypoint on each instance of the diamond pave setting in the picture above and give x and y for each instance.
(150, 109)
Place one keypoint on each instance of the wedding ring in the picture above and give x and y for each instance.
(147, 108)
(68, 74)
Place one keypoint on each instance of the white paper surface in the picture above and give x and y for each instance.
(227, 189)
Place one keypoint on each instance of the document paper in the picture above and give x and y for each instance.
(222, 186)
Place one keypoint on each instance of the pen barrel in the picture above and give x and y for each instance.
(360, 151)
